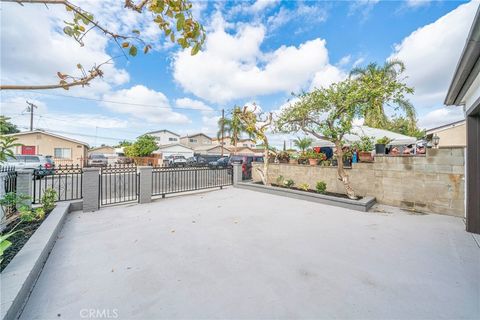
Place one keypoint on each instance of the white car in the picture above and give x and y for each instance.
(177, 161)
(30, 162)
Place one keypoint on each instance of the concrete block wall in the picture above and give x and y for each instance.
(432, 183)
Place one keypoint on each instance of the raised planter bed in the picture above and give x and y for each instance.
(20, 275)
(362, 204)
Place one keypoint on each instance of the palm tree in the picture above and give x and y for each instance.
(303, 143)
(232, 127)
(384, 86)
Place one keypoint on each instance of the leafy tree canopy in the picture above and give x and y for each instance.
(144, 146)
(6, 127)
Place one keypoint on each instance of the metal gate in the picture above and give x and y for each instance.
(118, 184)
(175, 180)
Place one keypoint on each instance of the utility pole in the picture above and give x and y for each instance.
(223, 124)
(30, 108)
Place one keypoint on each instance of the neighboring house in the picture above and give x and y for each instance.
(465, 91)
(107, 151)
(174, 149)
(102, 150)
(226, 141)
(212, 150)
(451, 135)
(196, 140)
(63, 150)
(165, 137)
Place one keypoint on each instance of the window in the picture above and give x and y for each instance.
(193, 140)
(245, 145)
(63, 153)
(32, 159)
(172, 139)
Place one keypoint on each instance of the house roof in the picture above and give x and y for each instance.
(48, 134)
(165, 146)
(195, 135)
(467, 68)
(360, 131)
(445, 126)
(101, 147)
(163, 130)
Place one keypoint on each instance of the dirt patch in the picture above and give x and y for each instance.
(18, 240)
(333, 194)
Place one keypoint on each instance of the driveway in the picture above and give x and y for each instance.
(237, 253)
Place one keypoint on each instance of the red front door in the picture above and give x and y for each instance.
(28, 149)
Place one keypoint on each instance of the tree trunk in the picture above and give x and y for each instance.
(342, 175)
(264, 172)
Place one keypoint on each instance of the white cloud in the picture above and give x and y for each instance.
(440, 117)
(314, 13)
(193, 104)
(431, 54)
(326, 76)
(364, 7)
(233, 66)
(417, 3)
(34, 48)
(261, 5)
(156, 107)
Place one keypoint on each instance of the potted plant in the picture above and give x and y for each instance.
(347, 158)
(380, 145)
(365, 147)
(293, 158)
(283, 157)
(313, 157)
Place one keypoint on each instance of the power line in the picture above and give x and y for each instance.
(118, 102)
(79, 134)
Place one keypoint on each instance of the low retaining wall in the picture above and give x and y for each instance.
(360, 205)
(19, 277)
(433, 183)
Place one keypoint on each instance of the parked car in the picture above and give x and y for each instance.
(46, 164)
(177, 161)
(124, 160)
(97, 160)
(196, 161)
(246, 162)
(220, 163)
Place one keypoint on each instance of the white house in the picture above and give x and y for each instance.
(465, 91)
(165, 137)
(174, 149)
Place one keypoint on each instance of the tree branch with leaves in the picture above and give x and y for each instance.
(173, 17)
(256, 125)
(327, 114)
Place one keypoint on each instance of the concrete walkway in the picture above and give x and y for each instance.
(242, 254)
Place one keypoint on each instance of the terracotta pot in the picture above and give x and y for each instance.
(283, 161)
(293, 161)
(313, 162)
(365, 156)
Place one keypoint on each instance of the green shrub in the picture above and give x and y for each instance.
(289, 183)
(48, 199)
(321, 187)
(11, 201)
(280, 180)
(26, 214)
(304, 186)
(39, 213)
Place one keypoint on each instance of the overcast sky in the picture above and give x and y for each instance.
(256, 51)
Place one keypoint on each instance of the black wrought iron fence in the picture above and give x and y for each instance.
(174, 180)
(9, 178)
(118, 183)
(66, 180)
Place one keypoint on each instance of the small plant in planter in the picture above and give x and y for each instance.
(283, 157)
(288, 183)
(314, 157)
(48, 199)
(321, 187)
(326, 163)
(304, 186)
(365, 147)
(381, 144)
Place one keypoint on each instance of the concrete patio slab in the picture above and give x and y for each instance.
(243, 254)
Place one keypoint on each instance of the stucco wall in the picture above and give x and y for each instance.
(434, 183)
(453, 137)
(46, 144)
